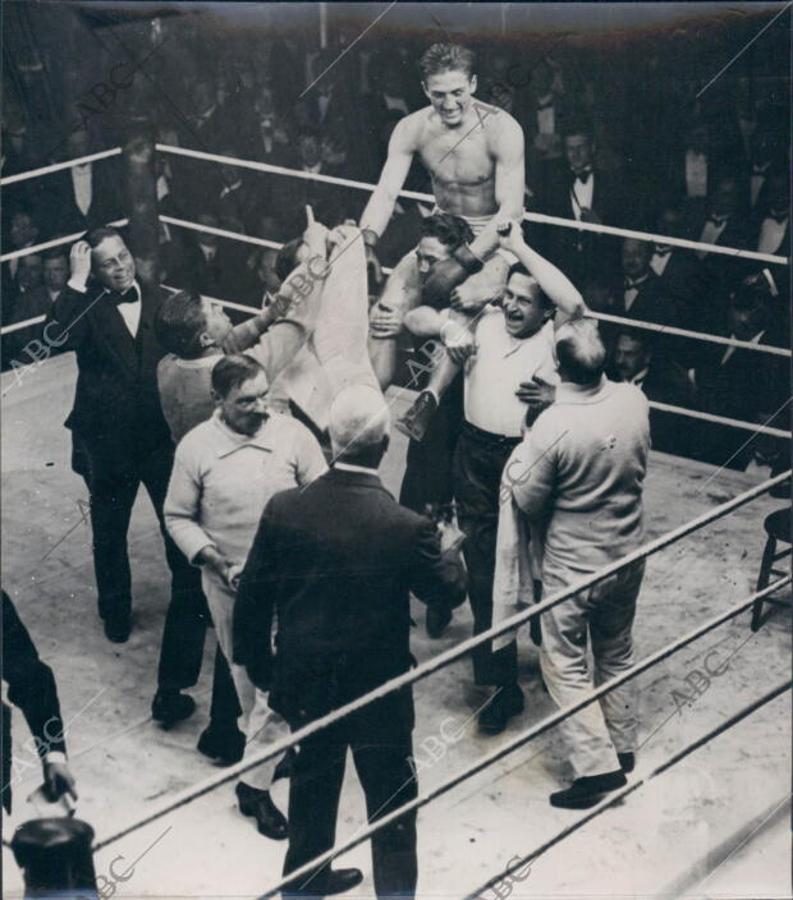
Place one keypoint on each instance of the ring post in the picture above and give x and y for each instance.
(56, 858)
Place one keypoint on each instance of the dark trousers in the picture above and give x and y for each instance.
(428, 472)
(381, 744)
(112, 498)
(478, 463)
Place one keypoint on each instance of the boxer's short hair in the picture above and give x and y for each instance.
(231, 371)
(445, 58)
(451, 231)
(179, 324)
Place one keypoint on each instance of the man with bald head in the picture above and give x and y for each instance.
(335, 562)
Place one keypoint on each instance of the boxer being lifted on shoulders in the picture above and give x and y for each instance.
(474, 154)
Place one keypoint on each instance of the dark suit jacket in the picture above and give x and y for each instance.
(60, 214)
(116, 417)
(651, 304)
(749, 386)
(31, 687)
(580, 253)
(336, 562)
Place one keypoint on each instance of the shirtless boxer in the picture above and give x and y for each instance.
(474, 154)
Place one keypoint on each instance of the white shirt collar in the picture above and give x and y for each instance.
(349, 467)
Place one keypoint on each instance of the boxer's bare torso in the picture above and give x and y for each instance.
(461, 160)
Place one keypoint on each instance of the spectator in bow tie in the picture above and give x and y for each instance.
(120, 440)
(641, 294)
(580, 190)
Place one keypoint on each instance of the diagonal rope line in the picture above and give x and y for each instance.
(350, 46)
(744, 49)
(539, 728)
(618, 796)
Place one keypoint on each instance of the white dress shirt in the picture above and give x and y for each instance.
(631, 291)
(581, 193)
(83, 188)
(660, 261)
(711, 232)
(772, 233)
(207, 252)
(730, 350)
(696, 174)
(546, 116)
(757, 181)
(130, 312)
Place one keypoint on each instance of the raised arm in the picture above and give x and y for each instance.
(508, 150)
(380, 207)
(554, 283)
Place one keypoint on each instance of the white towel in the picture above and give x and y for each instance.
(518, 560)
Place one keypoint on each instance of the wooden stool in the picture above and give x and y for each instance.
(777, 527)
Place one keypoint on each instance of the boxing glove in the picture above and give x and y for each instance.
(447, 274)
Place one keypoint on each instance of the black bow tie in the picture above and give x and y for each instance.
(758, 169)
(662, 249)
(128, 296)
(779, 217)
(546, 105)
(718, 220)
(583, 174)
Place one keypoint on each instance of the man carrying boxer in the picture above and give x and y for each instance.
(474, 154)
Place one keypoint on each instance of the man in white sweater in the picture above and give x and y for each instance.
(579, 475)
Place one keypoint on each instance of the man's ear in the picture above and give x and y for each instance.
(424, 88)
(204, 340)
(216, 398)
(473, 84)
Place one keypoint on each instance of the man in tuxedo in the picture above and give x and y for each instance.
(641, 295)
(32, 688)
(742, 384)
(83, 196)
(636, 362)
(580, 191)
(119, 435)
(336, 562)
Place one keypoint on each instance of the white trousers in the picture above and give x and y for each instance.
(262, 727)
(603, 613)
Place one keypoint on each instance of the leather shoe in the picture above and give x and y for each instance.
(226, 747)
(438, 617)
(587, 791)
(118, 630)
(415, 422)
(507, 702)
(270, 821)
(326, 883)
(627, 761)
(169, 707)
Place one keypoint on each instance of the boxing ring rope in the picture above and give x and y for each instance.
(58, 167)
(453, 654)
(620, 794)
(428, 198)
(534, 731)
(514, 622)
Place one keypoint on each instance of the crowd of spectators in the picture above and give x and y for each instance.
(641, 152)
